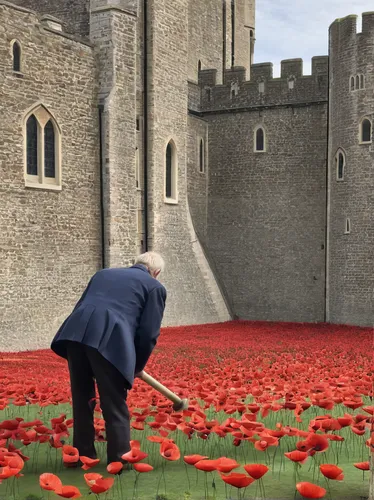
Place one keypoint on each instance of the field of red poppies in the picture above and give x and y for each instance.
(277, 411)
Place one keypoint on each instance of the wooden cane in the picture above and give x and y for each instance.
(179, 404)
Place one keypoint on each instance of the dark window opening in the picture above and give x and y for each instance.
(49, 151)
(199, 66)
(201, 157)
(233, 33)
(32, 146)
(169, 173)
(347, 226)
(340, 166)
(357, 82)
(352, 83)
(16, 57)
(137, 124)
(251, 33)
(260, 140)
(366, 131)
(208, 94)
(362, 83)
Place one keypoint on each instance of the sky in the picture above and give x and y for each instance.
(288, 29)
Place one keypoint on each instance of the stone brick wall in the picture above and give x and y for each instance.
(266, 211)
(74, 13)
(351, 256)
(113, 30)
(189, 297)
(49, 241)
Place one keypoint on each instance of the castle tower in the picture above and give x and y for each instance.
(350, 261)
(113, 30)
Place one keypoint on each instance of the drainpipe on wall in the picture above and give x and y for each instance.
(102, 202)
(145, 123)
(327, 221)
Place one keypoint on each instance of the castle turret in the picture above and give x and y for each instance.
(350, 252)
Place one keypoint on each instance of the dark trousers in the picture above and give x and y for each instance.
(85, 365)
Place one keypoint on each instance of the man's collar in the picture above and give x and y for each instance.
(142, 267)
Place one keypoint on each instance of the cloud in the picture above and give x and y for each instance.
(299, 28)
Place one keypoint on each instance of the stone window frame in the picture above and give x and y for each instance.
(173, 199)
(137, 169)
(257, 128)
(39, 181)
(291, 82)
(200, 140)
(363, 119)
(357, 82)
(339, 152)
(19, 45)
(261, 87)
(348, 227)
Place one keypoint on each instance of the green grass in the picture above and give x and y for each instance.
(175, 481)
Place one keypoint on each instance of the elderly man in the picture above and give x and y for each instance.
(109, 337)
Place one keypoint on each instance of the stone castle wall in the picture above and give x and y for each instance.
(351, 256)
(50, 241)
(74, 13)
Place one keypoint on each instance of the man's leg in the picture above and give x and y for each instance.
(113, 393)
(83, 393)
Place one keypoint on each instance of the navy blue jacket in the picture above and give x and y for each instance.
(120, 315)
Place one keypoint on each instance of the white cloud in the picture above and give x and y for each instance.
(287, 29)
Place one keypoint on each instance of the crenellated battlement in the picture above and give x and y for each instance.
(292, 87)
(343, 31)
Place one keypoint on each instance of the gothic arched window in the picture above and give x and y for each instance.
(340, 165)
(43, 150)
(365, 131)
(171, 174)
(16, 50)
(260, 140)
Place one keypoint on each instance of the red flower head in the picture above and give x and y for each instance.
(69, 492)
(50, 482)
(170, 451)
(206, 465)
(362, 465)
(309, 490)
(332, 472)
(297, 456)
(317, 442)
(115, 467)
(226, 464)
(143, 467)
(133, 456)
(193, 459)
(70, 455)
(237, 480)
(256, 470)
(89, 463)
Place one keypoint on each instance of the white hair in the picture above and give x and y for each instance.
(152, 260)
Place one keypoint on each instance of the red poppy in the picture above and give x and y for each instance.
(309, 490)
(206, 465)
(50, 482)
(133, 456)
(237, 480)
(170, 451)
(362, 465)
(102, 485)
(115, 467)
(89, 463)
(256, 470)
(317, 442)
(297, 456)
(70, 455)
(69, 492)
(332, 472)
(226, 464)
(143, 467)
(193, 459)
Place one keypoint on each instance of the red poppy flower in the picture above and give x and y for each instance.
(206, 465)
(317, 442)
(309, 490)
(70, 455)
(237, 480)
(226, 464)
(362, 465)
(50, 482)
(256, 470)
(89, 463)
(193, 459)
(143, 467)
(102, 485)
(115, 467)
(133, 456)
(332, 472)
(170, 451)
(297, 456)
(69, 492)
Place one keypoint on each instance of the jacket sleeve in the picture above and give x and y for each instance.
(149, 328)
